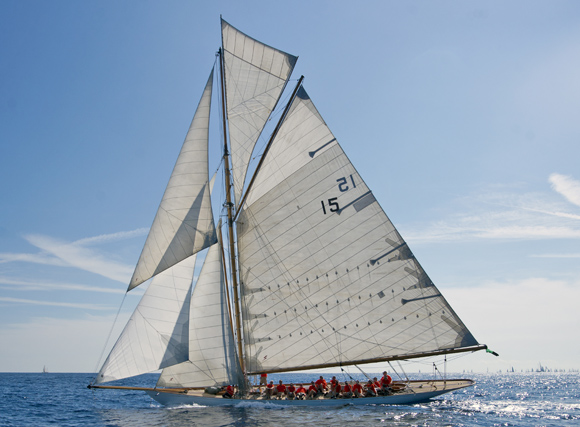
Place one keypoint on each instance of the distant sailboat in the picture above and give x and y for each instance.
(44, 371)
(320, 276)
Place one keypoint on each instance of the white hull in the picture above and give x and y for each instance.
(415, 392)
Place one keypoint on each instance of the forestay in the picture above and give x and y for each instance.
(184, 223)
(326, 278)
(212, 356)
(255, 76)
(156, 335)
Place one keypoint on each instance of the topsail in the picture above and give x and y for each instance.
(255, 76)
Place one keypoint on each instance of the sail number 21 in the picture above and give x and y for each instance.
(343, 185)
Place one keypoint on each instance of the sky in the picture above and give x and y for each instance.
(462, 117)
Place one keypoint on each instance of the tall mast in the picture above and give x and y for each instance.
(229, 206)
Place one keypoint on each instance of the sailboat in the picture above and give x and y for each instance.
(310, 273)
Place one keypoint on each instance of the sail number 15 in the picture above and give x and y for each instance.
(343, 185)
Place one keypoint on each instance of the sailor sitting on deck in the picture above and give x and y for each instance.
(346, 390)
(300, 393)
(269, 390)
(357, 389)
(386, 381)
(280, 390)
(333, 382)
(370, 389)
(229, 392)
(312, 390)
(321, 385)
(336, 389)
(291, 392)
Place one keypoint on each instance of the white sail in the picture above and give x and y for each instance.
(326, 278)
(212, 356)
(184, 223)
(255, 76)
(156, 335)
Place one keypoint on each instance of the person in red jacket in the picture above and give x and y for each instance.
(291, 392)
(357, 389)
(312, 390)
(270, 390)
(321, 385)
(229, 392)
(386, 381)
(333, 382)
(370, 389)
(280, 390)
(336, 390)
(300, 393)
(346, 390)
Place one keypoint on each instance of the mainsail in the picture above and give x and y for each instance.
(326, 278)
(157, 333)
(184, 222)
(255, 76)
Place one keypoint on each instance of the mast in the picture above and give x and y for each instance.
(229, 206)
(219, 230)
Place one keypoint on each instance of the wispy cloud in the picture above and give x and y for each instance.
(56, 304)
(76, 255)
(39, 258)
(567, 187)
(122, 235)
(556, 256)
(35, 285)
(508, 215)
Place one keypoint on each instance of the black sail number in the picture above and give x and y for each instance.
(344, 184)
(332, 205)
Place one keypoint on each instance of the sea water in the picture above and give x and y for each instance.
(506, 399)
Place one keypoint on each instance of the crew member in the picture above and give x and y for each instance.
(280, 390)
(386, 381)
(229, 392)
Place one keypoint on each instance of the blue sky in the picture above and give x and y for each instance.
(462, 117)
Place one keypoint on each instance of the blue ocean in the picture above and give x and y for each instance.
(505, 399)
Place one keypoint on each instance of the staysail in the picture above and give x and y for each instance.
(157, 333)
(212, 356)
(326, 278)
(184, 223)
(255, 76)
